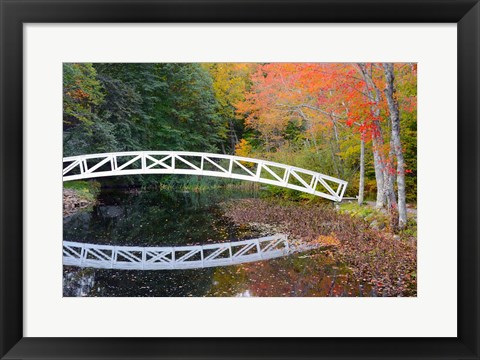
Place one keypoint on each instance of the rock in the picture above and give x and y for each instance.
(72, 202)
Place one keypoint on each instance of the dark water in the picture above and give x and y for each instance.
(157, 218)
(163, 218)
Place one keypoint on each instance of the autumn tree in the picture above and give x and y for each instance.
(286, 97)
(333, 105)
(231, 81)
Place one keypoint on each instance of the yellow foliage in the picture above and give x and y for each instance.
(230, 83)
(243, 148)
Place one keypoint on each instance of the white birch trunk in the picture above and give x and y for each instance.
(397, 145)
(391, 175)
(379, 176)
(361, 185)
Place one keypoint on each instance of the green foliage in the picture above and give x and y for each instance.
(373, 217)
(194, 183)
(316, 157)
(354, 209)
(409, 136)
(410, 231)
(122, 107)
(82, 92)
(87, 190)
(185, 112)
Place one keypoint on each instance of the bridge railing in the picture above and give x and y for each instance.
(206, 164)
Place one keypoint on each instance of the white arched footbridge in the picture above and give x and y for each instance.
(194, 163)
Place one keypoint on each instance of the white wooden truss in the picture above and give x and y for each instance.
(194, 163)
(170, 258)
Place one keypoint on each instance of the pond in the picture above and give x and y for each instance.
(168, 218)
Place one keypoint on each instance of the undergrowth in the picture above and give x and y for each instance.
(87, 190)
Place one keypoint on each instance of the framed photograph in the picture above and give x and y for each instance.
(236, 179)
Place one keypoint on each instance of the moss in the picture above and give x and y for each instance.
(410, 231)
(86, 190)
(361, 211)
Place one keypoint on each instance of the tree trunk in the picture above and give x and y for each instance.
(334, 161)
(390, 178)
(379, 176)
(385, 188)
(361, 186)
(397, 145)
(233, 136)
(340, 170)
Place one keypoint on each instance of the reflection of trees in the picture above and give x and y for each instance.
(229, 281)
(179, 218)
(312, 274)
(130, 283)
(154, 218)
(78, 282)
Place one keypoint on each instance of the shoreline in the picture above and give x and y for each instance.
(74, 201)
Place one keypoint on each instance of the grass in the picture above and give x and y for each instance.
(366, 213)
(201, 183)
(87, 190)
(370, 214)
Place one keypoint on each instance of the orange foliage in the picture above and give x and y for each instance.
(327, 240)
(319, 95)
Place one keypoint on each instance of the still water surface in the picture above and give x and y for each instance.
(166, 218)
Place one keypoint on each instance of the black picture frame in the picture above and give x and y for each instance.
(14, 13)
